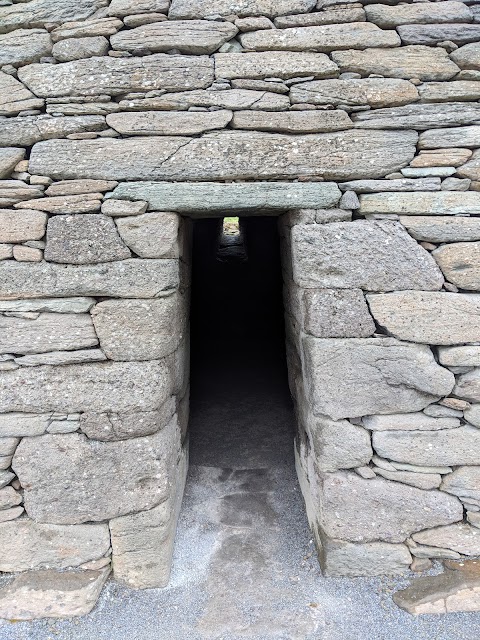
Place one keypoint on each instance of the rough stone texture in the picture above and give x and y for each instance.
(19, 226)
(125, 279)
(102, 386)
(30, 545)
(444, 447)
(278, 64)
(85, 203)
(88, 28)
(39, 12)
(151, 235)
(123, 8)
(442, 229)
(8, 159)
(114, 76)
(232, 155)
(78, 48)
(468, 386)
(460, 537)
(420, 116)
(467, 356)
(14, 97)
(118, 208)
(190, 9)
(79, 187)
(376, 256)
(372, 375)
(468, 56)
(448, 137)
(421, 62)
(325, 38)
(51, 594)
(31, 129)
(139, 329)
(292, 121)
(59, 305)
(24, 46)
(384, 510)
(409, 422)
(420, 480)
(471, 169)
(23, 424)
(389, 17)
(84, 239)
(47, 332)
(334, 313)
(418, 203)
(430, 34)
(399, 184)
(464, 483)
(345, 559)
(450, 91)
(150, 123)
(428, 317)
(65, 476)
(376, 92)
(460, 263)
(62, 358)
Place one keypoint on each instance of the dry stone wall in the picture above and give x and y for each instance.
(356, 122)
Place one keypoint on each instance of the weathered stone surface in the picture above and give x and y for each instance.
(468, 386)
(450, 137)
(420, 116)
(78, 48)
(102, 386)
(376, 92)
(460, 537)
(189, 9)
(126, 279)
(428, 317)
(233, 99)
(60, 305)
(278, 64)
(472, 168)
(460, 263)
(79, 187)
(184, 123)
(10, 514)
(47, 332)
(372, 375)
(432, 33)
(51, 594)
(84, 239)
(24, 46)
(451, 447)
(115, 76)
(191, 37)
(212, 198)
(402, 184)
(30, 545)
(8, 159)
(441, 158)
(123, 8)
(465, 484)
(9, 497)
(336, 15)
(420, 62)
(86, 28)
(119, 208)
(39, 12)
(232, 155)
(384, 510)
(450, 91)
(23, 424)
(336, 313)
(420, 480)
(139, 329)
(468, 56)
(376, 256)
(13, 191)
(85, 203)
(418, 203)
(151, 235)
(31, 129)
(442, 228)
(261, 85)
(339, 558)
(389, 17)
(65, 476)
(465, 356)
(15, 97)
(20, 226)
(472, 414)
(409, 422)
(62, 358)
(292, 121)
(326, 38)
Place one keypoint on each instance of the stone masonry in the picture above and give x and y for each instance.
(358, 125)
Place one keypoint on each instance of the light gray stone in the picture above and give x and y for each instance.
(420, 116)
(8, 446)
(37, 13)
(88, 28)
(422, 172)
(84, 239)
(8, 159)
(24, 46)
(431, 34)
(31, 129)
(442, 228)
(409, 422)
(376, 256)
(59, 305)
(51, 594)
(78, 48)
(185, 123)
(5, 478)
(418, 203)
(335, 15)
(450, 137)
(389, 17)
(118, 208)
(232, 155)
(384, 510)
(190, 9)
(47, 332)
(424, 63)
(345, 559)
(65, 476)
(468, 56)
(114, 76)
(30, 545)
(471, 169)
(15, 97)
(292, 121)
(461, 538)
(61, 358)
(151, 235)
(467, 356)
(468, 386)
(325, 38)
(9, 498)
(401, 184)
(464, 483)
(472, 415)
(85, 203)
(96, 386)
(123, 8)
(372, 375)
(438, 410)
(450, 91)
(79, 187)
(401, 466)
(23, 424)
(278, 64)
(441, 158)
(376, 92)
(140, 329)
(212, 199)
(450, 447)
(20, 226)
(473, 518)
(123, 279)
(336, 313)
(420, 480)
(460, 263)
(10, 514)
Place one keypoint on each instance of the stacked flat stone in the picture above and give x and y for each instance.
(359, 125)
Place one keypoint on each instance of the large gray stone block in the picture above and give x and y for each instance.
(431, 34)
(420, 116)
(31, 129)
(460, 263)
(278, 64)
(340, 155)
(39, 12)
(389, 17)
(442, 228)
(189, 9)
(184, 123)
(375, 256)
(69, 479)
(345, 559)
(365, 376)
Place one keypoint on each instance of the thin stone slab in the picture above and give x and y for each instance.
(418, 203)
(461, 538)
(37, 13)
(428, 317)
(73, 30)
(85, 203)
(344, 559)
(292, 121)
(122, 8)
(425, 63)
(15, 97)
(399, 184)
(442, 228)
(375, 256)
(190, 36)
(78, 48)
(409, 422)
(460, 263)
(191, 9)
(8, 159)
(420, 480)
(335, 15)
(450, 91)
(62, 358)
(114, 76)
(389, 17)
(340, 155)
(277, 64)
(450, 137)
(148, 123)
(375, 92)
(24, 46)
(372, 375)
(31, 129)
(431, 34)
(20, 226)
(154, 234)
(465, 484)
(79, 187)
(420, 116)
(130, 278)
(60, 305)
